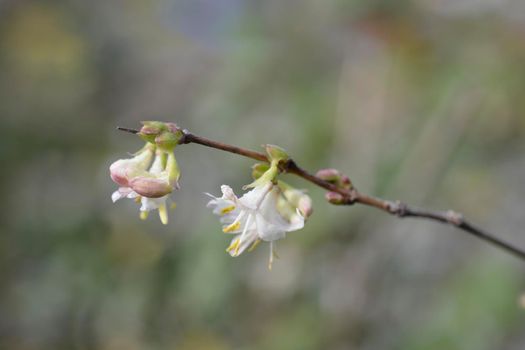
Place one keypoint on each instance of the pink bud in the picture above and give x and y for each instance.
(345, 182)
(150, 187)
(330, 175)
(173, 127)
(334, 198)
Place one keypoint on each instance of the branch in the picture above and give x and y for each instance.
(352, 196)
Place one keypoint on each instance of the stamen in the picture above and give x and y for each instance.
(232, 228)
(144, 215)
(236, 253)
(227, 210)
(234, 245)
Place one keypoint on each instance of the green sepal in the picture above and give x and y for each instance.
(276, 153)
(259, 169)
(268, 176)
(168, 140)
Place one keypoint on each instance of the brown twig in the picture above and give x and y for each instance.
(352, 196)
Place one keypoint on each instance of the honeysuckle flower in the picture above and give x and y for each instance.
(298, 198)
(262, 214)
(152, 187)
(255, 217)
(161, 179)
(150, 183)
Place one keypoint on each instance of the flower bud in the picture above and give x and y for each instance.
(330, 175)
(172, 127)
(276, 153)
(334, 198)
(345, 182)
(168, 140)
(151, 187)
(297, 198)
(335, 177)
(300, 200)
(123, 170)
(151, 129)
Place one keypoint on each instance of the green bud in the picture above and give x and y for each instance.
(276, 153)
(172, 127)
(151, 129)
(168, 140)
(259, 169)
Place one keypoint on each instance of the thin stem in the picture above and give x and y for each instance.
(190, 138)
(133, 131)
(352, 196)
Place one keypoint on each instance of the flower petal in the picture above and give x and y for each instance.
(122, 192)
(227, 193)
(253, 199)
(152, 203)
(115, 196)
(151, 187)
(275, 221)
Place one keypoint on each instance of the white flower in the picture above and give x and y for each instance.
(262, 214)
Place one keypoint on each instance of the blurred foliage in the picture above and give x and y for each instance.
(418, 100)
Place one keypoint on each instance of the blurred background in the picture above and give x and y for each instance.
(417, 100)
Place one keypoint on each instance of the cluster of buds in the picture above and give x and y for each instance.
(337, 179)
(152, 173)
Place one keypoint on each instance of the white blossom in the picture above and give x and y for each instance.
(262, 214)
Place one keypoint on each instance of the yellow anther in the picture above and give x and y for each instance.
(232, 228)
(144, 215)
(138, 199)
(173, 205)
(234, 246)
(227, 209)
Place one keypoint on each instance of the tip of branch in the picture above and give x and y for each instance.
(132, 131)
